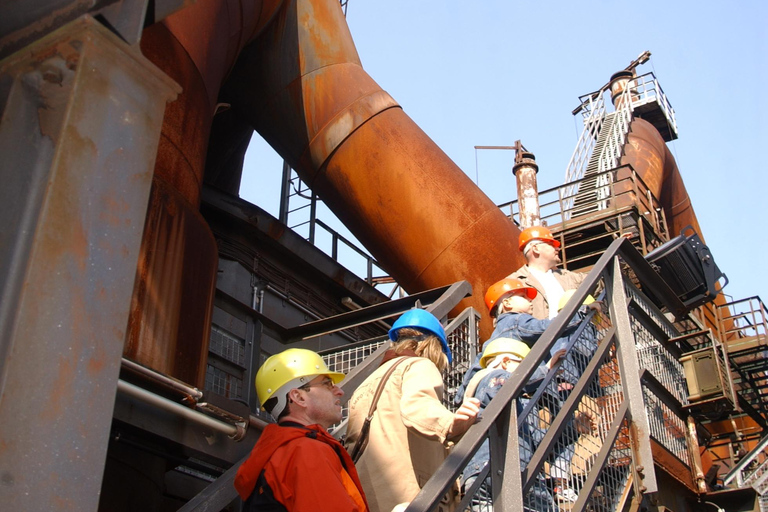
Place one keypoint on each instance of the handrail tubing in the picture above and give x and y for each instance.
(745, 461)
(347, 242)
(442, 300)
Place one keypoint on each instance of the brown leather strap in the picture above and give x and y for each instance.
(362, 441)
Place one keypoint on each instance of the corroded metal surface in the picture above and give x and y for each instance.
(87, 109)
(169, 326)
(171, 308)
(649, 155)
(525, 170)
(302, 87)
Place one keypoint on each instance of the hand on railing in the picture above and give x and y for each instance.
(464, 417)
(556, 358)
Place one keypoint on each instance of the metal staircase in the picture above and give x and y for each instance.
(602, 140)
(743, 326)
(592, 193)
(752, 470)
(607, 458)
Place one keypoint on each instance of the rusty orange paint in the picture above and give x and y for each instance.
(402, 197)
(300, 84)
(649, 155)
(172, 303)
(646, 151)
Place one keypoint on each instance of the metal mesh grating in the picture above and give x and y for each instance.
(345, 360)
(571, 459)
(228, 346)
(666, 428)
(223, 383)
(461, 340)
(655, 358)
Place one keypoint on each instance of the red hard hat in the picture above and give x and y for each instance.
(537, 233)
(503, 287)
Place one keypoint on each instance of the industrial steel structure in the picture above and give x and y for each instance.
(140, 294)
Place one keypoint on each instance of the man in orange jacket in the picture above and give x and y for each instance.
(296, 466)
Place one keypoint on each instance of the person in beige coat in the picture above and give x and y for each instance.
(410, 429)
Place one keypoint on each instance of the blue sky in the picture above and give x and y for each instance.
(489, 73)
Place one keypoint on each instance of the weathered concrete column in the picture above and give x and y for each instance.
(525, 170)
(79, 132)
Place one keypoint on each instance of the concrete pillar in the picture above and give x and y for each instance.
(81, 120)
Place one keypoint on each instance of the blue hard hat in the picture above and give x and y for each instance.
(423, 321)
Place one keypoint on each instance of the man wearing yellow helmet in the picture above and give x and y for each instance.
(296, 466)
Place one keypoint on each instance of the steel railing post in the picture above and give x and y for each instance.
(506, 484)
(644, 473)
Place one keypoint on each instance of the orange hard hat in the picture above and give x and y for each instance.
(537, 233)
(499, 289)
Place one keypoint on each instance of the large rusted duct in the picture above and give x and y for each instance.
(169, 325)
(649, 155)
(303, 89)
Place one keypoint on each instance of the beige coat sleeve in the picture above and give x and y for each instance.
(420, 405)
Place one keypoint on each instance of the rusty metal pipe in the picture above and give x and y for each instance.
(194, 394)
(649, 155)
(525, 171)
(171, 308)
(234, 431)
(302, 87)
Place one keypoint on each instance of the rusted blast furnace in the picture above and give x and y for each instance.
(649, 155)
(299, 83)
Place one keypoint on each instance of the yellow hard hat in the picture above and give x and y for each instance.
(567, 296)
(289, 370)
(500, 346)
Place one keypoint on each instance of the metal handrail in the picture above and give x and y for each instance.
(737, 472)
(555, 212)
(499, 413)
(755, 319)
(298, 185)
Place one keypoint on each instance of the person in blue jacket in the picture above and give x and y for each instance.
(510, 304)
(499, 360)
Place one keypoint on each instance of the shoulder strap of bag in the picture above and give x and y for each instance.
(362, 441)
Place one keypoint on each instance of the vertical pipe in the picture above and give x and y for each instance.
(618, 84)
(171, 308)
(525, 170)
(693, 449)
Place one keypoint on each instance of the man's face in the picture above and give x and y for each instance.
(518, 302)
(548, 253)
(323, 401)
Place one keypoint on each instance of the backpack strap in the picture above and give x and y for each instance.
(362, 441)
